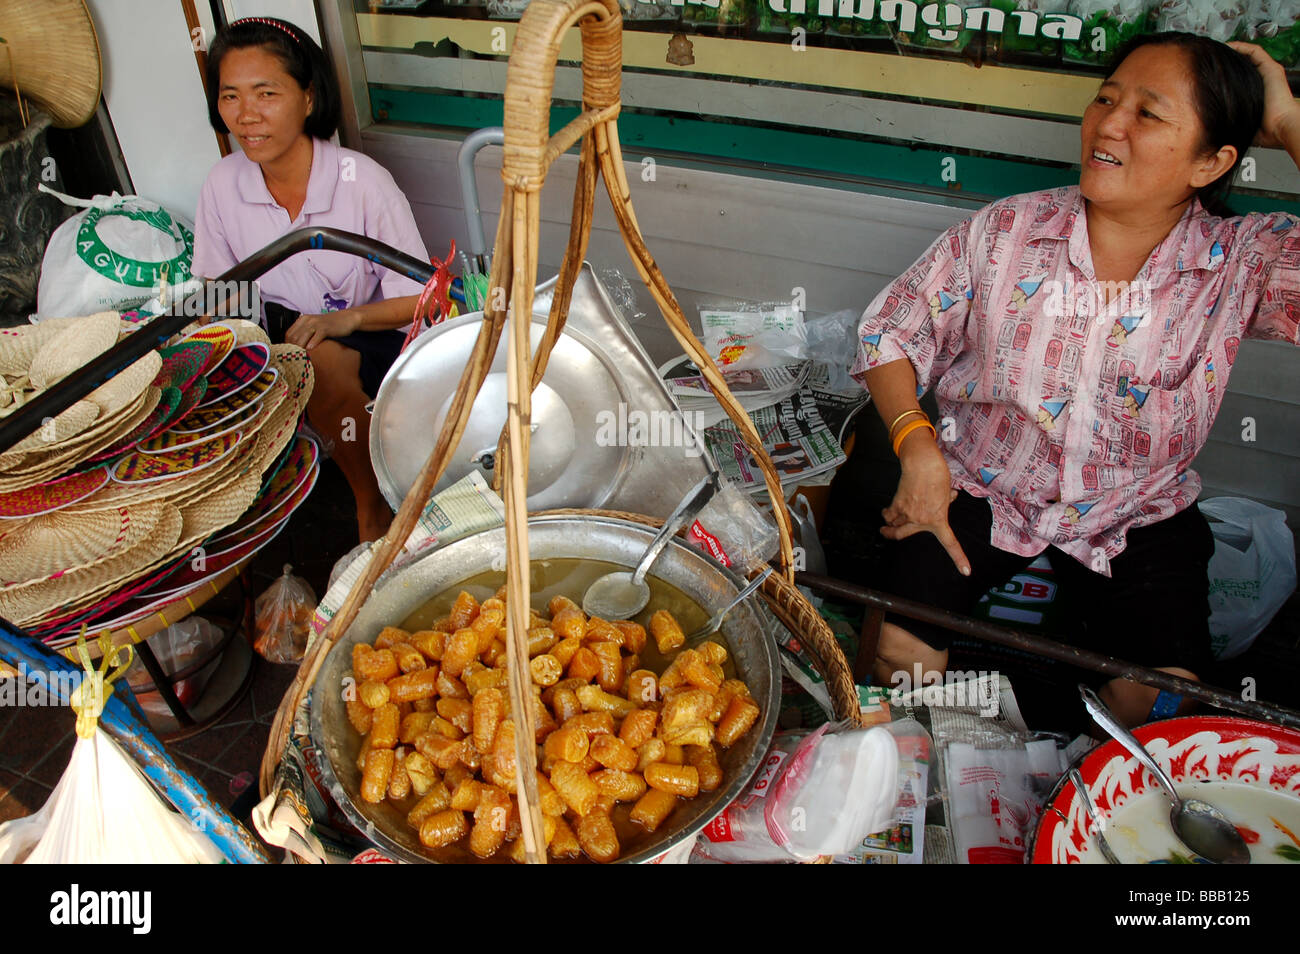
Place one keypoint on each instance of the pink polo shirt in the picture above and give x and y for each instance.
(345, 190)
(1076, 420)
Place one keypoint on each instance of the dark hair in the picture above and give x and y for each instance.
(302, 59)
(1229, 100)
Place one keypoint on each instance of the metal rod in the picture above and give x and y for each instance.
(163, 683)
(156, 333)
(488, 136)
(1045, 646)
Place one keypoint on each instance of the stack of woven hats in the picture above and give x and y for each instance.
(177, 469)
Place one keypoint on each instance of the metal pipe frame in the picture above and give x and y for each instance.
(157, 332)
(1051, 649)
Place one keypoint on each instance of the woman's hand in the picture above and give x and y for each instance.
(1281, 112)
(922, 499)
(310, 330)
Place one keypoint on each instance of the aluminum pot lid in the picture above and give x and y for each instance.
(567, 464)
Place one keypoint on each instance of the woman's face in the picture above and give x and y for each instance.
(1141, 136)
(262, 105)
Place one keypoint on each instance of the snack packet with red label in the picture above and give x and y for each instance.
(734, 532)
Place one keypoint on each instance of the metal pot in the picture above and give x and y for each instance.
(748, 631)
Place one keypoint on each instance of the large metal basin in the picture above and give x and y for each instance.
(748, 632)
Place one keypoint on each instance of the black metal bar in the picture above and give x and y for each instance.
(163, 683)
(1044, 646)
(126, 352)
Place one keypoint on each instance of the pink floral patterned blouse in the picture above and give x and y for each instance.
(1075, 418)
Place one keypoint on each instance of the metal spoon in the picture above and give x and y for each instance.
(621, 595)
(715, 620)
(1197, 824)
(1098, 823)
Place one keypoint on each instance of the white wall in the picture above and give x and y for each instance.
(155, 98)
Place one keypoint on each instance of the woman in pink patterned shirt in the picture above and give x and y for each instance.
(1079, 342)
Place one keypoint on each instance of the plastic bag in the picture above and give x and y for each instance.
(104, 811)
(175, 648)
(113, 256)
(733, 531)
(1252, 572)
(805, 525)
(283, 618)
(754, 336)
(833, 341)
(815, 794)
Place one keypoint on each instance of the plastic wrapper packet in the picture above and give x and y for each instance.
(176, 648)
(734, 532)
(764, 335)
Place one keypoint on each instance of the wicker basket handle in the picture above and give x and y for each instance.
(529, 148)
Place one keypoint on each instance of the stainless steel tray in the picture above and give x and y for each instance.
(748, 631)
(597, 376)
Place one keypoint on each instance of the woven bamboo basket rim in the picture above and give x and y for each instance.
(59, 542)
(529, 151)
(72, 347)
(28, 606)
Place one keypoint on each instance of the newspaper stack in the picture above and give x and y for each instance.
(754, 388)
(802, 406)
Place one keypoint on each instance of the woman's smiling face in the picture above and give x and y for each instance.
(1142, 139)
(261, 104)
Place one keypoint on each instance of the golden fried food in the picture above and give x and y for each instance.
(615, 738)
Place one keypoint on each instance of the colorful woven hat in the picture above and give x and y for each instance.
(52, 495)
(183, 363)
(140, 468)
(241, 367)
(219, 337)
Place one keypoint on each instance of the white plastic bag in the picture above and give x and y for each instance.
(104, 811)
(1252, 572)
(112, 256)
(815, 794)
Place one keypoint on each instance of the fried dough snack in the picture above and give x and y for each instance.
(440, 738)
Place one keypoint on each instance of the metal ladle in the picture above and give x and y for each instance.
(621, 595)
(1200, 826)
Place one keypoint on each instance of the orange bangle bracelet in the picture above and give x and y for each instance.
(909, 428)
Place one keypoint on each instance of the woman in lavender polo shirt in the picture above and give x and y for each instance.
(271, 88)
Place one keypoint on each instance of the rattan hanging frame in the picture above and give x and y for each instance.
(529, 152)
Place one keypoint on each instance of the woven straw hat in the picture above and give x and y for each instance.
(74, 345)
(57, 543)
(30, 604)
(55, 57)
(197, 521)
